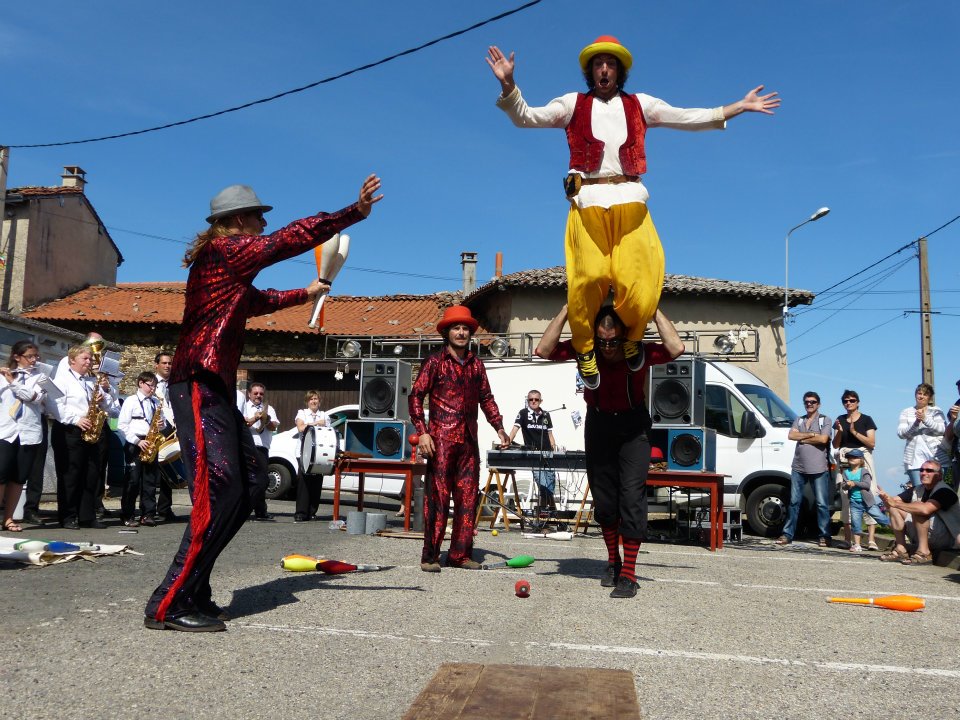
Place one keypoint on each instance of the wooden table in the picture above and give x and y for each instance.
(468, 691)
(408, 468)
(712, 482)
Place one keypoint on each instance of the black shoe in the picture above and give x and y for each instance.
(589, 373)
(211, 609)
(266, 517)
(611, 575)
(95, 525)
(32, 518)
(70, 524)
(193, 622)
(625, 588)
(300, 518)
(168, 516)
(634, 353)
(148, 521)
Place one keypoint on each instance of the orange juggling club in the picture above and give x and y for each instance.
(904, 603)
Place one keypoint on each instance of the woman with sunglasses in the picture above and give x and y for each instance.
(922, 426)
(21, 405)
(855, 431)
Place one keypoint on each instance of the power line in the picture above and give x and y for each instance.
(849, 339)
(285, 93)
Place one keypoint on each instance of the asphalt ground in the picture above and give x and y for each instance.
(741, 633)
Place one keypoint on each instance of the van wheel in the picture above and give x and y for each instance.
(767, 509)
(279, 481)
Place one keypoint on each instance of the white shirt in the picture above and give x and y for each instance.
(310, 417)
(77, 393)
(262, 437)
(923, 439)
(21, 406)
(609, 124)
(163, 387)
(136, 416)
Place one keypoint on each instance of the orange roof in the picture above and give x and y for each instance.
(51, 191)
(162, 302)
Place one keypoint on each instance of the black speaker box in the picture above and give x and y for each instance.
(677, 391)
(384, 389)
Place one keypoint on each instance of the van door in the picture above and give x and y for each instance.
(736, 456)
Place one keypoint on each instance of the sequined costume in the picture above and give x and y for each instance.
(216, 446)
(456, 389)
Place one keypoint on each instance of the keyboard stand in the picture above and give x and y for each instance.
(493, 476)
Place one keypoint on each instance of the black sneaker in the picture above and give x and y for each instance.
(625, 588)
(589, 372)
(633, 352)
(611, 575)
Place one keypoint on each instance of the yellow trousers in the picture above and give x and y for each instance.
(614, 247)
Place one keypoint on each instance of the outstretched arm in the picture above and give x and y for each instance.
(502, 67)
(752, 102)
(551, 336)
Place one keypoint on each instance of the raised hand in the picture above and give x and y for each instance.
(754, 102)
(368, 194)
(502, 67)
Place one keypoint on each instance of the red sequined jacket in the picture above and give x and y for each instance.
(220, 294)
(456, 391)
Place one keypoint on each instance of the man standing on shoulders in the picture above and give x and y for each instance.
(457, 384)
(615, 435)
(610, 239)
(810, 464)
(537, 428)
(262, 420)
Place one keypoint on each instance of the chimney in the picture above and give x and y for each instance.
(498, 266)
(468, 260)
(73, 176)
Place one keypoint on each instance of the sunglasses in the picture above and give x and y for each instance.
(847, 401)
(608, 344)
(927, 470)
(533, 399)
(811, 402)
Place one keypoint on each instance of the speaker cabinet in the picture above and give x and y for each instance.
(384, 389)
(691, 449)
(381, 439)
(677, 392)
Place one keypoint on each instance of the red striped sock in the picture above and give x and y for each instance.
(611, 536)
(631, 546)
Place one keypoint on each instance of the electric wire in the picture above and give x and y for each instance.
(263, 101)
(849, 339)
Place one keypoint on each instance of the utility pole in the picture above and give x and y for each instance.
(4, 152)
(926, 332)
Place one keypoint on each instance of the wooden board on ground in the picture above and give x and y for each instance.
(401, 534)
(469, 691)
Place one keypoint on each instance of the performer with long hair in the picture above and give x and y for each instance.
(216, 446)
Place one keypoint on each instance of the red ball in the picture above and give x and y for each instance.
(414, 439)
(522, 588)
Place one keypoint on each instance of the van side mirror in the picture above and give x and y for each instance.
(751, 427)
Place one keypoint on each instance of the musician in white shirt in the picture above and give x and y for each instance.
(309, 486)
(140, 478)
(79, 460)
(162, 365)
(21, 432)
(262, 420)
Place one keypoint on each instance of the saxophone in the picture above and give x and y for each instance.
(154, 435)
(96, 416)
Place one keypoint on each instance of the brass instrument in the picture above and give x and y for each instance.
(154, 435)
(95, 415)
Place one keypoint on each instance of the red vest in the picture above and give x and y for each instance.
(586, 152)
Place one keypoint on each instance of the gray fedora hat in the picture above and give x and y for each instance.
(234, 200)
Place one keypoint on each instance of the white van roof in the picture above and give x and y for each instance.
(735, 373)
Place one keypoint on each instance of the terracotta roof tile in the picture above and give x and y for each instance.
(37, 190)
(162, 302)
(556, 277)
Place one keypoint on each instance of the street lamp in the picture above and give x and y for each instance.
(786, 263)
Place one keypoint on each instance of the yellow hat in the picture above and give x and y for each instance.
(606, 44)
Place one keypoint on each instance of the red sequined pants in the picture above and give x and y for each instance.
(454, 470)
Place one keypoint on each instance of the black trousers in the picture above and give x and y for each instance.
(140, 483)
(220, 488)
(35, 478)
(258, 493)
(618, 460)
(309, 489)
(77, 486)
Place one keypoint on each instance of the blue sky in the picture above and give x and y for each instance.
(867, 127)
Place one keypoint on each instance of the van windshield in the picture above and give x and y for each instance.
(777, 412)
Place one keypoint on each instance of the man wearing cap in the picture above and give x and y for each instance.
(457, 384)
(615, 436)
(216, 447)
(610, 239)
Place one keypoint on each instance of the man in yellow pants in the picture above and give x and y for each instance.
(610, 239)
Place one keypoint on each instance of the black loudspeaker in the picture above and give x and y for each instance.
(677, 392)
(384, 389)
(381, 439)
(687, 448)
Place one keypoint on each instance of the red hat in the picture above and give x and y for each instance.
(656, 453)
(457, 314)
(605, 44)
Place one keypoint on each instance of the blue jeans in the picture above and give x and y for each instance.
(821, 491)
(857, 508)
(914, 476)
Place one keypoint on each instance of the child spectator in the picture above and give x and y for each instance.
(858, 482)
